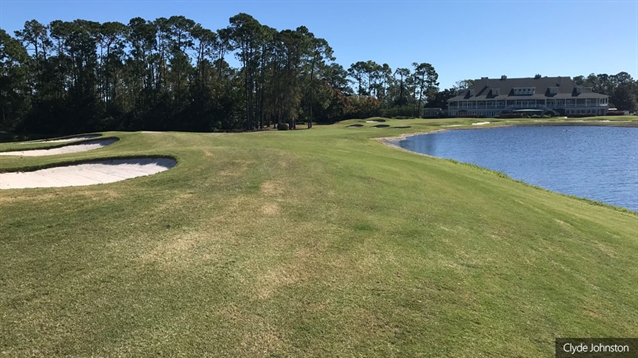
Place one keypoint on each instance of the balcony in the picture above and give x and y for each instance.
(522, 106)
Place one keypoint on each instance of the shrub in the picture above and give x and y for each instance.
(511, 115)
(402, 112)
(582, 115)
(282, 126)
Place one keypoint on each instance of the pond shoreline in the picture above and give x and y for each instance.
(395, 140)
(391, 141)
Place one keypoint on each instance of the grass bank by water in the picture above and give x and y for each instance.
(317, 242)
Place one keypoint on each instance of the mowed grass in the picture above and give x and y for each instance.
(317, 242)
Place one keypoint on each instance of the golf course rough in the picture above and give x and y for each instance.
(320, 242)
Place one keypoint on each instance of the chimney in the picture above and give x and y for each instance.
(503, 78)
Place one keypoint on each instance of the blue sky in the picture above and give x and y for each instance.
(461, 39)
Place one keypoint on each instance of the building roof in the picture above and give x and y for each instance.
(566, 89)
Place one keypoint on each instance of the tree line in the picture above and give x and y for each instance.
(173, 74)
(621, 88)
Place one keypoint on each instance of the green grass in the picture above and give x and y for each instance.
(317, 242)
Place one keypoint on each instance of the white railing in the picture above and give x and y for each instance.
(518, 105)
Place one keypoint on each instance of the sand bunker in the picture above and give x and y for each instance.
(87, 173)
(71, 139)
(356, 125)
(376, 121)
(381, 126)
(62, 140)
(71, 148)
(480, 123)
(401, 127)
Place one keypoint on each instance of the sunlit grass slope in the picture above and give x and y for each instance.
(317, 242)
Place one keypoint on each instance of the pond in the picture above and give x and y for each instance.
(594, 162)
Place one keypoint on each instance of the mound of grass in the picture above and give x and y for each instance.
(319, 242)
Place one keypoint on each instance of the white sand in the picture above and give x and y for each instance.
(70, 139)
(71, 148)
(96, 172)
(480, 123)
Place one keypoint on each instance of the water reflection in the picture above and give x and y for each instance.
(599, 163)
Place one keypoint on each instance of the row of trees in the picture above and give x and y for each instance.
(172, 74)
(621, 88)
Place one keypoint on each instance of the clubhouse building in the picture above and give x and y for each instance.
(490, 97)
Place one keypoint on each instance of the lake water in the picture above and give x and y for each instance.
(594, 162)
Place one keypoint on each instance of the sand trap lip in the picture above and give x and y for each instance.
(86, 173)
(63, 140)
(71, 139)
(71, 148)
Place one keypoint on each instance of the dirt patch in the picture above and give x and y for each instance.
(181, 251)
(170, 252)
(174, 203)
(261, 342)
(271, 188)
(593, 314)
(99, 194)
(208, 153)
(236, 168)
(36, 198)
(562, 222)
(276, 278)
(270, 209)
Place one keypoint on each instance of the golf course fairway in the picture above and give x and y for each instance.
(320, 242)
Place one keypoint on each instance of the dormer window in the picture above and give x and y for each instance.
(579, 89)
(553, 90)
(524, 90)
(496, 91)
